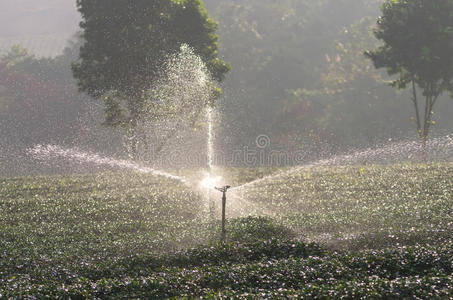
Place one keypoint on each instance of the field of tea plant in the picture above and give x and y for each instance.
(330, 232)
(358, 207)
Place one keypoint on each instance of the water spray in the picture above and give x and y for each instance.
(223, 190)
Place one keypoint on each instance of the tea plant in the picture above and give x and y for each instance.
(335, 232)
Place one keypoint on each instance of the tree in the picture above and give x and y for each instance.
(417, 36)
(275, 46)
(362, 109)
(35, 99)
(127, 43)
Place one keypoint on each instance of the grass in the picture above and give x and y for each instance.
(331, 231)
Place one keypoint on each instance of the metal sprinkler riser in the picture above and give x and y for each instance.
(223, 190)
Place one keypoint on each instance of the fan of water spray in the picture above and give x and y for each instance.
(187, 88)
(179, 101)
(174, 105)
(437, 149)
(48, 152)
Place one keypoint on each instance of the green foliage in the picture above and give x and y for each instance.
(405, 272)
(417, 47)
(416, 36)
(233, 253)
(348, 63)
(276, 47)
(127, 44)
(361, 206)
(256, 228)
(16, 55)
(131, 235)
(38, 101)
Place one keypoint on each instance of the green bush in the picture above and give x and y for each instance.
(265, 269)
(256, 228)
(127, 235)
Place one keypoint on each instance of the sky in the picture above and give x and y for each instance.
(37, 17)
(43, 26)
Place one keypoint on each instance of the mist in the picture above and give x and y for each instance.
(42, 26)
(285, 61)
(226, 149)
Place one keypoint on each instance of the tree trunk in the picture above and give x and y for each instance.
(421, 130)
(417, 111)
(431, 98)
(426, 127)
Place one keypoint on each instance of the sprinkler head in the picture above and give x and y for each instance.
(223, 189)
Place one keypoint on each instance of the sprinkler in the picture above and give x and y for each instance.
(223, 190)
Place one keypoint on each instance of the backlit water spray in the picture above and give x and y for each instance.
(183, 95)
(437, 149)
(210, 146)
(210, 181)
(48, 152)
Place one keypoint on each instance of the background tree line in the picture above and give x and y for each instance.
(299, 67)
(298, 75)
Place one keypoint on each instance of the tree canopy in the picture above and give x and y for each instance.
(418, 47)
(127, 43)
(299, 76)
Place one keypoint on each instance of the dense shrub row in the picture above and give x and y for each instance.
(119, 235)
(144, 264)
(272, 268)
(415, 287)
